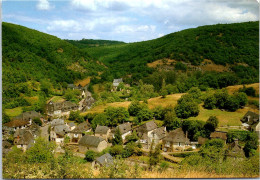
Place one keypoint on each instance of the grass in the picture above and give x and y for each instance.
(224, 117)
(232, 89)
(32, 100)
(83, 82)
(14, 112)
(57, 99)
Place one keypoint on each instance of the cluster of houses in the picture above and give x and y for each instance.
(85, 138)
(63, 108)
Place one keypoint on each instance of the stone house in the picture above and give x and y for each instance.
(18, 124)
(144, 131)
(71, 125)
(176, 140)
(219, 135)
(235, 150)
(94, 143)
(104, 160)
(60, 108)
(23, 139)
(56, 122)
(116, 83)
(6, 147)
(157, 135)
(250, 121)
(125, 129)
(202, 140)
(29, 116)
(103, 131)
(77, 133)
(58, 133)
(87, 102)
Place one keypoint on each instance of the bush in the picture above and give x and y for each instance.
(158, 112)
(37, 121)
(135, 107)
(41, 151)
(116, 150)
(210, 102)
(144, 115)
(187, 109)
(90, 156)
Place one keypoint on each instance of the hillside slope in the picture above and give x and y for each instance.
(222, 44)
(30, 55)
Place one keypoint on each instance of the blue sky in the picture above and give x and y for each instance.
(124, 20)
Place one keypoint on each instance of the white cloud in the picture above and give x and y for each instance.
(43, 5)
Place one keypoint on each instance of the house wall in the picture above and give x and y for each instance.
(59, 140)
(102, 145)
(105, 136)
(173, 146)
(126, 134)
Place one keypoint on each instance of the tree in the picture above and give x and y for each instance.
(41, 151)
(186, 108)
(163, 91)
(46, 87)
(100, 119)
(144, 115)
(6, 118)
(116, 115)
(251, 144)
(171, 121)
(135, 107)
(210, 102)
(242, 98)
(159, 112)
(195, 93)
(132, 137)
(75, 116)
(154, 155)
(211, 124)
(90, 156)
(213, 150)
(117, 138)
(37, 121)
(116, 150)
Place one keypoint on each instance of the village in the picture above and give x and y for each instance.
(81, 137)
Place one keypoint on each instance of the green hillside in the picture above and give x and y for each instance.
(32, 57)
(93, 43)
(222, 43)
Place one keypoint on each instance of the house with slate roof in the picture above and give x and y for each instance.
(116, 83)
(57, 109)
(157, 135)
(176, 140)
(29, 116)
(58, 130)
(104, 160)
(77, 133)
(17, 124)
(23, 139)
(71, 125)
(235, 150)
(102, 131)
(144, 131)
(219, 135)
(94, 143)
(125, 129)
(250, 121)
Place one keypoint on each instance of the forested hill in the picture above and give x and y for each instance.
(221, 43)
(93, 43)
(33, 56)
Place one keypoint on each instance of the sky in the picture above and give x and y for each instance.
(124, 20)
